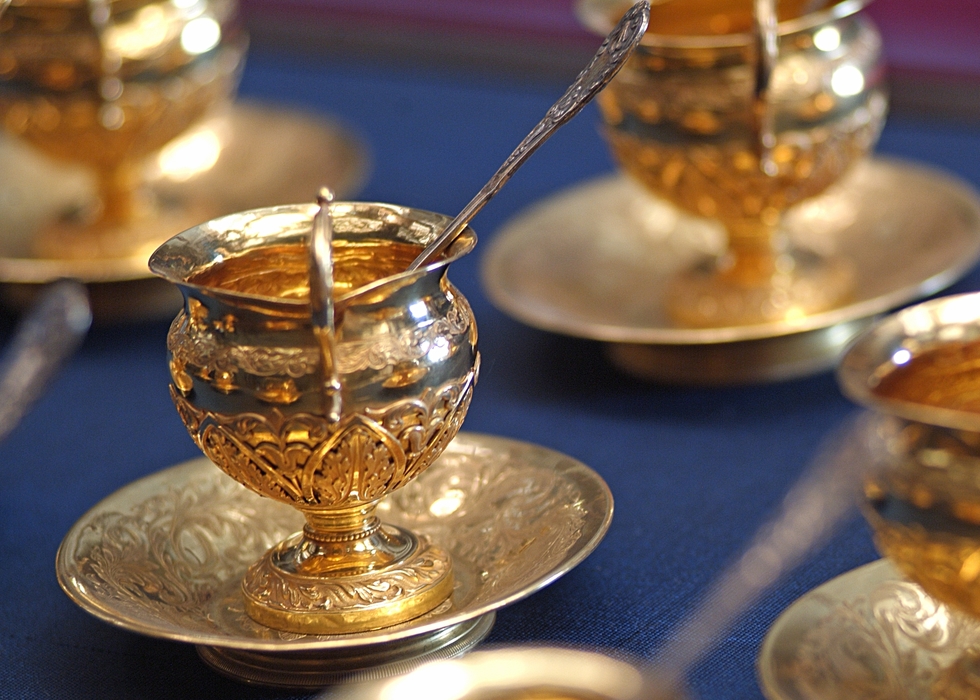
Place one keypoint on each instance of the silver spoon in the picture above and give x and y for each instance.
(611, 56)
(45, 337)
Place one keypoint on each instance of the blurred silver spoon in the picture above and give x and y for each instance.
(819, 501)
(48, 334)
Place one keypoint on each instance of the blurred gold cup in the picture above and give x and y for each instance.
(104, 83)
(919, 370)
(683, 119)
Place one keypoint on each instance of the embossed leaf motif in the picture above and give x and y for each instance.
(273, 590)
(303, 459)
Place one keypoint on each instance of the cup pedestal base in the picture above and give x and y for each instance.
(297, 586)
(803, 284)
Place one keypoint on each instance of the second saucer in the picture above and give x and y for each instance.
(593, 262)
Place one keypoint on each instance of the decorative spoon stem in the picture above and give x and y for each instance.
(321, 303)
(611, 56)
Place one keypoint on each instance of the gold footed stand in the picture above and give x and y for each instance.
(758, 280)
(346, 573)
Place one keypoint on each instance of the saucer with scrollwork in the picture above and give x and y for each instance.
(870, 634)
(165, 556)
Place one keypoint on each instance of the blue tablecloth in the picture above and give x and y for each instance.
(694, 471)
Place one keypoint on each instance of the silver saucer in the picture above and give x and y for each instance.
(869, 634)
(247, 156)
(592, 262)
(165, 557)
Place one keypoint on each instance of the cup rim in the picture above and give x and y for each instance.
(593, 14)
(172, 253)
(869, 357)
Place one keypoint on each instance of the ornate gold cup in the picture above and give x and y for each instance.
(104, 83)
(684, 118)
(919, 370)
(247, 380)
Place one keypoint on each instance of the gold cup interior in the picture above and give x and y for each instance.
(282, 271)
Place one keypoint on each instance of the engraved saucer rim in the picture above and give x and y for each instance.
(527, 309)
(595, 526)
(765, 666)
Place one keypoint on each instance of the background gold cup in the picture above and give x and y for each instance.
(919, 370)
(104, 83)
(681, 119)
(247, 380)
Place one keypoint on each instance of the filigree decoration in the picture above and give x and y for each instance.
(303, 459)
(892, 644)
(272, 588)
(199, 345)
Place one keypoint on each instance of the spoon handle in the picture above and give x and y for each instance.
(767, 54)
(45, 337)
(611, 56)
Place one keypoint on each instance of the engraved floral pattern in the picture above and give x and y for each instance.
(165, 555)
(895, 643)
(526, 533)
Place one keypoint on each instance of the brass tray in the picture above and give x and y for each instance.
(165, 557)
(869, 634)
(592, 262)
(247, 156)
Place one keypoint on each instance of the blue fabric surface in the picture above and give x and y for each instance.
(694, 471)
